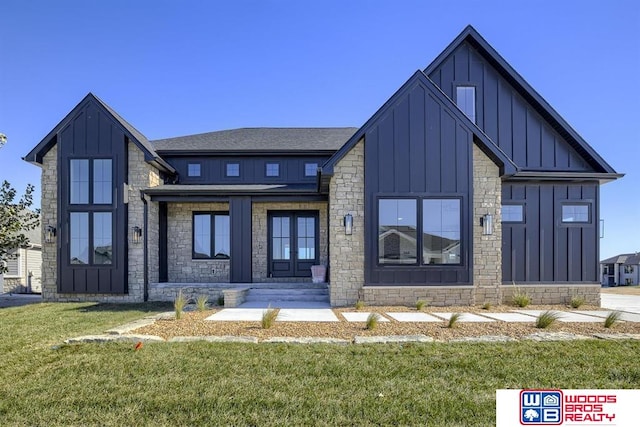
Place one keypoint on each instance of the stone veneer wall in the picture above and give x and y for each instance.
(346, 195)
(49, 212)
(181, 266)
(487, 250)
(553, 294)
(259, 233)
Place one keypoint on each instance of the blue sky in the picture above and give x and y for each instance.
(182, 67)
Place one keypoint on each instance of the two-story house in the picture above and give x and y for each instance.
(463, 183)
(623, 269)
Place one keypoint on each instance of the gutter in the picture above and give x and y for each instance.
(145, 247)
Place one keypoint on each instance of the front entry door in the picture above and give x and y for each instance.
(293, 243)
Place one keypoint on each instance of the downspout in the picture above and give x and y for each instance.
(145, 244)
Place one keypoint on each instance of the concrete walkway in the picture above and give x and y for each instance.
(16, 300)
(627, 303)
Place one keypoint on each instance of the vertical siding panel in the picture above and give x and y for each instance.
(386, 146)
(476, 75)
(93, 281)
(561, 241)
(80, 280)
(519, 132)
(533, 141)
(547, 149)
(433, 146)
(78, 136)
(461, 64)
(533, 232)
(546, 233)
(562, 154)
(417, 141)
(518, 251)
(448, 154)
(462, 165)
(447, 77)
(489, 122)
(505, 119)
(402, 146)
(93, 129)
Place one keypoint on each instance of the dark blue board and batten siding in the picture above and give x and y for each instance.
(543, 248)
(417, 149)
(92, 134)
(505, 116)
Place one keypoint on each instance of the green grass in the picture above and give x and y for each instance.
(203, 383)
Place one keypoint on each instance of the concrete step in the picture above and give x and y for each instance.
(287, 295)
(285, 285)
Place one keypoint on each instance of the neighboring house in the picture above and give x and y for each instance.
(24, 274)
(463, 183)
(620, 270)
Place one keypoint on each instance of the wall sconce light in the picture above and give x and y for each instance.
(486, 221)
(49, 234)
(137, 234)
(348, 224)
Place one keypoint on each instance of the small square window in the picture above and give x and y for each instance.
(575, 213)
(466, 101)
(512, 213)
(233, 169)
(194, 169)
(310, 169)
(273, 169)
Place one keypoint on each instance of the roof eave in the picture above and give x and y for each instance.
(602, 178)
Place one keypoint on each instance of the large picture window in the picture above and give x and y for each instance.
(211, 235)
(397, 231)
(441, 231)
(88, 248)
(400, 234)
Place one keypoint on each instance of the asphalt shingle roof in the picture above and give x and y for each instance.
(259, 139)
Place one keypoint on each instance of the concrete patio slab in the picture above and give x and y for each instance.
(465, 317)
(361, 317)
(628, 303)
(237, 315)
(565, 316)
(413, 317)
(306, 315)
(602, 314)
(511, 317)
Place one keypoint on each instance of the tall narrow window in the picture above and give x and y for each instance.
(222, 237)
(466, 101)
(102, 238)
(79, 238)
(441, 231)
(202, 236)
(397, 231)
(281, 238)
(306, 238)
(102, 181)
(79, 181)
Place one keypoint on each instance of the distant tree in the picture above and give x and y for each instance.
(15, 219)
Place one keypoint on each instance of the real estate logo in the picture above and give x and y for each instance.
(541, 407)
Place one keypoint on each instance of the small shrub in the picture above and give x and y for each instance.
(420, 304)
(577, 302)
(372, 321)
(178, 304)
(359, 305)
(521, 299)
(269, 318)
(453, 320)
(201, 302)
(486, 306)
(221, 300)
(612, 318)
(547, 319)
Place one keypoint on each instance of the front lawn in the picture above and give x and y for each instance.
(273, 384)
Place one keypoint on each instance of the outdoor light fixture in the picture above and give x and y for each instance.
(49, 234)
(486, 221)
(137, 234)
(348, 224)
